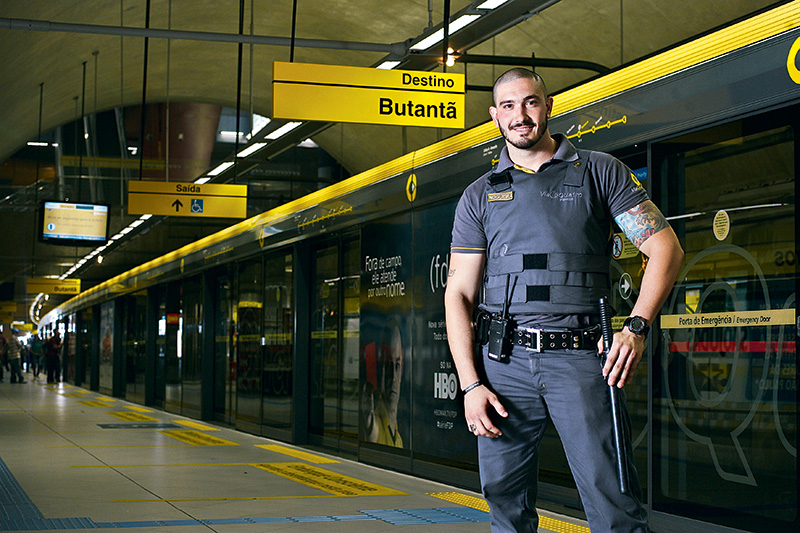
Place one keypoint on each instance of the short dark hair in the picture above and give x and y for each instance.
(515, 74)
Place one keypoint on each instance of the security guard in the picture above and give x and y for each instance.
(535, 232)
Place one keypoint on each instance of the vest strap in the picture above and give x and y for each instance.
(554, 262)
(547, 293)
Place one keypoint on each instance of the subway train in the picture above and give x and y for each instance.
(321, 322)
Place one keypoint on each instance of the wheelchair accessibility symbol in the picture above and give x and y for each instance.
(197, 205)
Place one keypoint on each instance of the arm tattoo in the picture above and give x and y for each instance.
(641, 222)
(451, 272)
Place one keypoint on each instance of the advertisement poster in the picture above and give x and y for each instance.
(438, 411)
(106, 368)
(385, 333)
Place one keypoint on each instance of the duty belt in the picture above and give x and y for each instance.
(538, 340)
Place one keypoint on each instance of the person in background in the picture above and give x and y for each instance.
(15, 357)
(52, 360)
(3, 355)
(36, 355)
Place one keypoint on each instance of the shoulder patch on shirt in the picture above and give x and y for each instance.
(636, 182)
(500, 196)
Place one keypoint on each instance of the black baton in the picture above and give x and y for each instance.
(616, 408)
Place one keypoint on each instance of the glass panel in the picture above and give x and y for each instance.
(160, 393)
(351, 293)
(85, 339)
(68, 363)
(192, 349)
(248, 346)
(724, 427)
(134, 346)
(106, 370)
(173, 349)
(277, 376)
(224, 385)
(324, 393)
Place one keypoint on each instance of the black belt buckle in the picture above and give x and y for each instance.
(530, 334)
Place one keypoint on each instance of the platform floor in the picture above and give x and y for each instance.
(71, 458)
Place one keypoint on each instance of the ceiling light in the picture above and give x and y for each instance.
(438, 36)
(283, 130)
(99, 258)
(230, 134)
(204, 179)
(38, 143)
(253, 148)
(491, 4)
(221, 168)
(388, 65)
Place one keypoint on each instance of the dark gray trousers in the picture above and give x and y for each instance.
(569, 387)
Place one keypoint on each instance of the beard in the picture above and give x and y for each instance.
(523, 143)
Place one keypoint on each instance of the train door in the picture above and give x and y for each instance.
(224, 376)
(333, 409)
(724, 413)
(160, 381)
(191, 345)
(278, 316)
(247, 345)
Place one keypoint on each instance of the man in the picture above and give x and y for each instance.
(52, 360)
(540, 223)
(15, 357)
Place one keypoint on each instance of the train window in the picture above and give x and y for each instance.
(724, 407)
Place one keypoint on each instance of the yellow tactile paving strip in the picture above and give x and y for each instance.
(480, 504)
(196, 438)
(297, 454)
(332, 482)
(196, 425)
(132, 416)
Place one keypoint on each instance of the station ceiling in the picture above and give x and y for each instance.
(61, 61)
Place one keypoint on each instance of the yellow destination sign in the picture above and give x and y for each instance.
(187, 199)
(53, 286)
(332, 93)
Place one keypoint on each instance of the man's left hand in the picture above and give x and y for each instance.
(623, 358)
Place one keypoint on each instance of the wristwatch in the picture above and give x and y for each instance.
(637, 325)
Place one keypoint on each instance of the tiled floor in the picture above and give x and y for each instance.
(74, 459)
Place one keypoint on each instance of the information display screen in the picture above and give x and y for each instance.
(73, 224)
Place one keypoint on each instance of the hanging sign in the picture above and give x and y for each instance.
(332, 93)
(187, 199)
(53, 286)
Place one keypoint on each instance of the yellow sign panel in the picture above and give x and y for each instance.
(187, 199)
(53, 286)
(333, 93)
(622, 248)
(8, 307)
(769, 317)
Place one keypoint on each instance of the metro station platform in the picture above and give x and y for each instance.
(74, 459)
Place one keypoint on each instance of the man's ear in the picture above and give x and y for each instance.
(493, 114)
(549, 106)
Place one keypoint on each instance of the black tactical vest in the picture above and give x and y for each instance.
(548, 240)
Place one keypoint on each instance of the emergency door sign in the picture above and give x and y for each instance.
(332, 93)
(187, 199)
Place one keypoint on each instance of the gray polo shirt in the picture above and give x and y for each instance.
(563, 218)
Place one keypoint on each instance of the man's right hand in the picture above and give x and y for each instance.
(478, 404)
